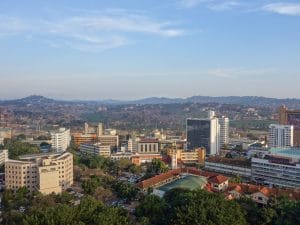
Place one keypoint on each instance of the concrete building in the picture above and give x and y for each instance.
(203, 133)
(147, 150)
(281, 167)
(196, 156)
(84, 138)
(121, 155)
(3, 156)
(95, 149)
(281, 136)
(132, 145)
(229, 166)
(224, 131)
(139, 159)
(61, 140)
(45, 173)
(93, 129)
(112, 140)
(148, 146)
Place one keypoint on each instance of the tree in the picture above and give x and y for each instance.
(200, 208)
(17, 148)
(154, 209)
(155, 167)
(125, 190)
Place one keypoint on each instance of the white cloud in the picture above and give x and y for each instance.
(104, 23)
(234, 73)
(192, 3)
(292, 9)
(11, 26)
(91, 30)
(225, 5)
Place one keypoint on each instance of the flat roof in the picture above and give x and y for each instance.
(286, 152)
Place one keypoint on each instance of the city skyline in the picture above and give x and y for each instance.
(177, 48)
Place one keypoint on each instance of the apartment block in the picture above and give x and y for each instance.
(45, 173)
(95, 149)
(224, 131)
(61, 140)
(281, 136)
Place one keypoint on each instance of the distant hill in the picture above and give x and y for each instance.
(236, 100)
(32, 100)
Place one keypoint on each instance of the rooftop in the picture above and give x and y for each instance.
(286, 152)
(228, 161)
(188, 182)
(218, 179)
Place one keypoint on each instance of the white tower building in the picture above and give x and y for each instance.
(61, 140)
(281, 136)
(224, 130)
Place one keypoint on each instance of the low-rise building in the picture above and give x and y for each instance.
(228, 166)
(84, 138)
(121, 155)
(139, 159)
(260, 194)
(112, 140)
(276, 171)
(148, 146)
(45, 173)
(219, 183)
(95, 149)
(196, 156)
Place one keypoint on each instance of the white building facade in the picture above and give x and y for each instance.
(281, 136)
(61, 140)
(95, 149)
(224, 130)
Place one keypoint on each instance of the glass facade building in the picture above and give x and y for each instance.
(198, 133)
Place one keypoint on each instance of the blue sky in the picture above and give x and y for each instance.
(99, 49)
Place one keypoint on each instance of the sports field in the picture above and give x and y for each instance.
(189, 182)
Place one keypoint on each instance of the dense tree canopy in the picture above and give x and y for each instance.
(16, 148)
(190, 207)
(88, 212)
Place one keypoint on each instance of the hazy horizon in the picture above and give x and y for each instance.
(136, 99)
(105, 49)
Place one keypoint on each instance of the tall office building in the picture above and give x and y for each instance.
(203, 133)
(281, 136)
(224, 130)
(291, 117)
(61, 140)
